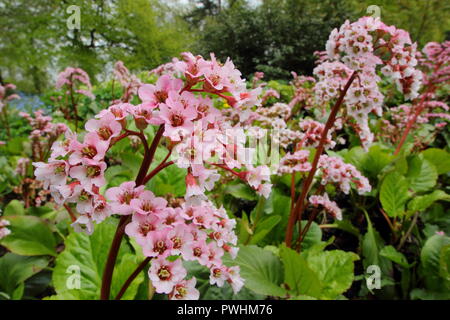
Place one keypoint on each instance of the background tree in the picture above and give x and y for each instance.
(36, 40)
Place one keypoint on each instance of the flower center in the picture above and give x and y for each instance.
(176, 120)
(105, 133)
(93, 171)
(164, 273)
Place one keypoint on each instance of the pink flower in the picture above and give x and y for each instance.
(165, 275)
(157, 244)
(218, 275)
(171, 216)
(181, 240)
(199, 251)
(257, 177)
(93, 147)
(156, 94)
(106, 127)
(177, 119)
(185, 290)
(122, 196)
(89, 173)
(144, 115)
(147, 203)
(53, 173)
(140, 226)
(234, 279)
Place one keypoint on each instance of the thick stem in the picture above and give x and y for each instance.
(115, 245)
(300, 204)
(112, 257)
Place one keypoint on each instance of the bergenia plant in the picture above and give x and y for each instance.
(6, 96)
(73, 83)
(199, 139)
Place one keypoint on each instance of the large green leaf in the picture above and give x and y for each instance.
(335, 270)
(30, 236)
(394, 194)
(15, 269)
(85, 256)
(375, 160)
(430, 258)
(261, 270)
(299, 277)
(422, 174)
(440, 159)
(14, 208)
(421, 203)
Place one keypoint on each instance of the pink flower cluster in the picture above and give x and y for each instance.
(203, 141)
(129, 82)
(4, 231)
(295, 162)
(5, 95)
(200, 233)
(330, 206)
(436, 63)
(362, 98)
(43, 133)
(334, 170)
(71, 78)
(360, 47)
(368, 42)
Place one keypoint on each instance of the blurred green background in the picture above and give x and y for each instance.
(274, 36)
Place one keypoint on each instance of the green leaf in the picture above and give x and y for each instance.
(335, 270)
(394, 194)
(392, 254)
(170, 180)
(430, 258)
(422, 174)
(356, 157)
(84, 258)
(127, 264)
(439, 158)
(313, 236)
(375, 160)
(264, 227)
(30, 236)
(371, 245)
(14, 208)
(15, 269)
(429, 295)
(242, 191)
(298, 276)
(421, 203)
(261, 270)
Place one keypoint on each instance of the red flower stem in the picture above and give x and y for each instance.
(149, 154)
(71, 214)
(133, 276)
(157, 170)
(413, 119)
(112, 257)
(300, 204)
